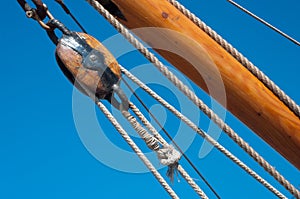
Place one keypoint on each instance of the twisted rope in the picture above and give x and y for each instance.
(201, 133)
(192, 96)
(181, 170)
(173, 141)
(290, 103)
(167, 155)
(148, 138)
(147, 124)
(136, 149)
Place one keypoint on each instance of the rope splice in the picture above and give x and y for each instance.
(96, 71)
(93, 70)
(166, 153)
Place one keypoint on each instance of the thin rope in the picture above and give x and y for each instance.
(147, 137)
(136, 149)
(153, 145)
(192, 96)
(181, 170)
(147, 124)
(191, 182)
(290, 103)
(171, 139)
(200, 132)
(167, 155)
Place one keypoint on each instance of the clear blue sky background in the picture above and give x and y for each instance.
(41, 153)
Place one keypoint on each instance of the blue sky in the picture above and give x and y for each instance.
(41, 149)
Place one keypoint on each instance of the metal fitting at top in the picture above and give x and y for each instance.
(38, 14)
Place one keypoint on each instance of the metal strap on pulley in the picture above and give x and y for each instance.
(92, 61)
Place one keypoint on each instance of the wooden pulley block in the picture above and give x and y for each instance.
(89, 66)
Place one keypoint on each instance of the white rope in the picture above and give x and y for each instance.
(167, 150)
(136, 149)
(201, 133)
(151, 142)
(147, 124)
(290, 103)
(192, 96)
(167, 155)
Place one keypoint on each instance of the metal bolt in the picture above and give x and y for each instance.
(164, 15)
(93, 58)
(29, 14)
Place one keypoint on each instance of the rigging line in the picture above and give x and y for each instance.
(66, 9)
(289, 102)
(202, 133)
(171, 139)
(173, 159)
(169, 161)
(167, 154)
(264, 22)
(181, 170)
(137, 150)
(193, 97)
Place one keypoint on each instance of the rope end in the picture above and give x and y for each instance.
(169, 156)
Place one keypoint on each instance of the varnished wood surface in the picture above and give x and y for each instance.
(83, 78)
(204, 62)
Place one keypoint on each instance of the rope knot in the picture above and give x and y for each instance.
(169, 156)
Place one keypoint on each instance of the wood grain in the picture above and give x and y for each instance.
(84, 79)
(201, 59)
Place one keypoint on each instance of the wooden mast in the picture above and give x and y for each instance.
(247, 98)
